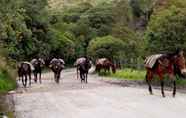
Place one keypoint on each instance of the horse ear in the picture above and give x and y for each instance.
(181, 53)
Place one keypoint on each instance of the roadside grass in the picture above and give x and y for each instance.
(6, 83)
(139, 75)
(126, 74)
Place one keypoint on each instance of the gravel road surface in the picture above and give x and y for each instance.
(97, 99)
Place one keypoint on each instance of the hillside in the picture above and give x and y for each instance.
(60, 4)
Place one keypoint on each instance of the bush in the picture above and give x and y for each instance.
(166, 30)
(7, 72)
(6, 83)
(107, 46)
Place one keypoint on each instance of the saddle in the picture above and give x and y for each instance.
(101, 61)
(31, 66)
(151, 60)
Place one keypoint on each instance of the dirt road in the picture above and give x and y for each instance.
(97, 99)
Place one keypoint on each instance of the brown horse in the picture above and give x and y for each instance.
(24, 71)
(105, 64)
(170, 64)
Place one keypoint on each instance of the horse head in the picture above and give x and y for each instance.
(42, 62)
(179, 61)
(88, 63)
(57, 64)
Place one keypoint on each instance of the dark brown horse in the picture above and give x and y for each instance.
(38, 64)
(170, 64)
(105, 64)
(24, 72)
(57, 65)
(83, 65)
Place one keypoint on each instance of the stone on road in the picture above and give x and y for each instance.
(97, 99)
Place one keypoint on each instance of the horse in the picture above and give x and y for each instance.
(24, 71)
(77, 63)
(83, 65)
(105, 64)
(57, 65)
(170, 64)
(38, 64)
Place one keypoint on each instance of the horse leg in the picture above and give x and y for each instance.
(86, 76)
(162, 88)
(23, 80)
(19, 79)
(55, 77)
(77, 72)
(58, 77)
(35, 77)
(40, 77)
(81, 76)
(149, 77)
(171, 76)
(174, 89)
(30, 79)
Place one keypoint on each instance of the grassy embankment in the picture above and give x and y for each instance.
(6, 83)
(7, 75)
(138, 75)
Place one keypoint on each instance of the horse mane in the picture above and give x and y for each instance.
(170, 55)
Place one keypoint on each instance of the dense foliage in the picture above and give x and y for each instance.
(166, 31)
(106, 47)
(124, 31)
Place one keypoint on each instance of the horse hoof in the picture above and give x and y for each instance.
(151, 93)
(173, 95)
(163, 96)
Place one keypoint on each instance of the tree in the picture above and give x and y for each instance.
(106, 47)
(166, 30)
(142, 11)
(25, 29)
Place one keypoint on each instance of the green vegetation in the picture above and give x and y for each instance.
(166, 29)
(124, 31)
(139, 75)
(30, 28)
(6, 83)
(106, 47)
(127, 74)
(7, 77)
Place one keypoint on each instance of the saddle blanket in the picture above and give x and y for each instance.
(101, 61)
(151, 60)
(31, 66)
(79, 61)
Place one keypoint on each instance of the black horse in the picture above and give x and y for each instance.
(24, 72)
(83, 66)
(57, 65)
(38, 64)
